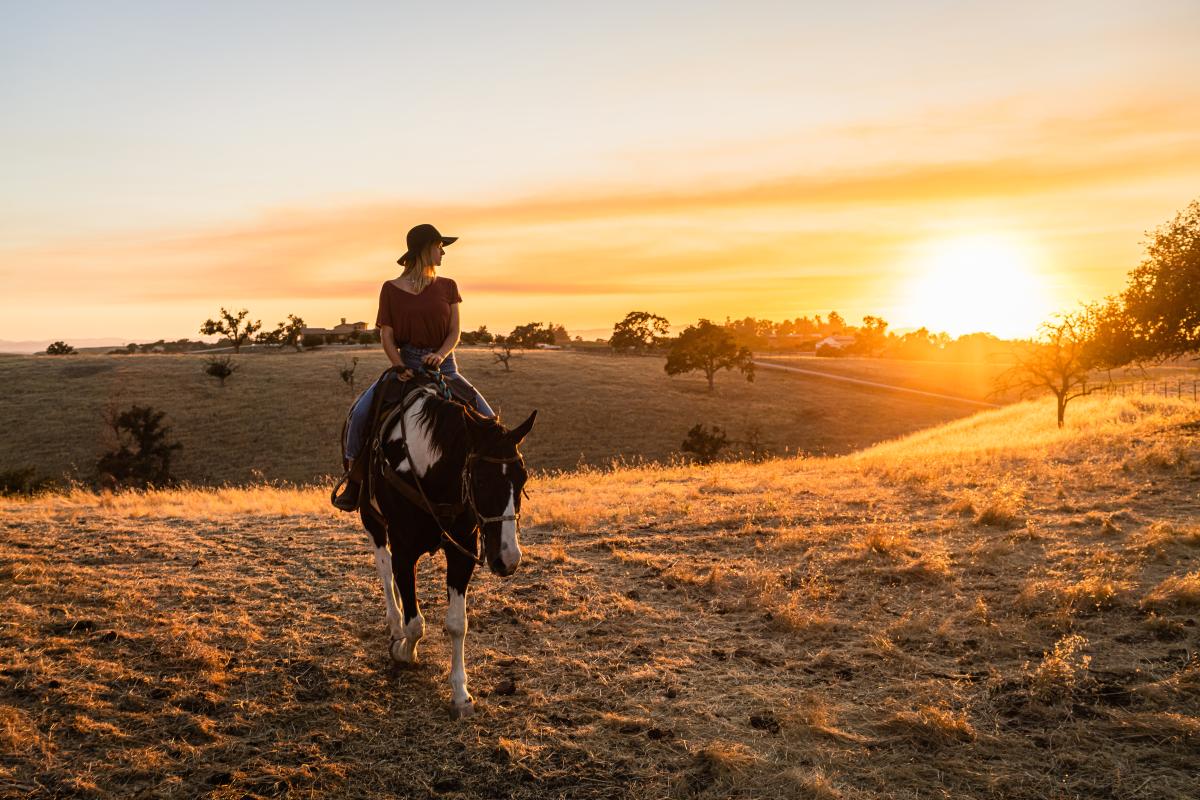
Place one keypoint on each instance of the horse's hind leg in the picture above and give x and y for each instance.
(405, 569)
(458, 575)
(383, 565)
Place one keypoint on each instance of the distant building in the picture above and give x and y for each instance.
(338, 333)
(837, 342)
(544, 346)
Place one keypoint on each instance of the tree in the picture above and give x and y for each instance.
(705, 443)
(871, 337)
(143, 454)
(236, 328)
(708, 347)
(60, 349)
(502, 349)
(1162, 300)
(638, 332)
(220, 368)
(272, 338)
(835, 323)
(480, 335)
(559, 334)
(750, 332)
(1060, 360)
(285, 333)
(530, 335)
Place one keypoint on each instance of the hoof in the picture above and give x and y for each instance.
(399, 653)
(462, 710)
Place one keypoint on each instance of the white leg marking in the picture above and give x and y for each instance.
(383, 565)
(406, 651)
(510, 548)
(456, 627)
(420, 440)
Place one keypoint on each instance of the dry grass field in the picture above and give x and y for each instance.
(278, 418)
(993, 608)
(974, 380)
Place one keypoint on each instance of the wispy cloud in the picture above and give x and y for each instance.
(705, 238)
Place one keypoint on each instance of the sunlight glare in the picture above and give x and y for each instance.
(978, 283)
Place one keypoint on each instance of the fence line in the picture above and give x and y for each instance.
(1184, 390)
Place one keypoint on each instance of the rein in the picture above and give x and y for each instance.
(468, 492)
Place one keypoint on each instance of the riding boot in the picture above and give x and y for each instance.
(348, 499)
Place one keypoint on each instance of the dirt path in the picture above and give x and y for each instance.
(874, 384)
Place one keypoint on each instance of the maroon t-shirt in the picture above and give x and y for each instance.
(422, 320)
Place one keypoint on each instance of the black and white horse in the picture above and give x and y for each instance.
(463, 462)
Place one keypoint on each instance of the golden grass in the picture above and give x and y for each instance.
(826, 627)
(1175, 591)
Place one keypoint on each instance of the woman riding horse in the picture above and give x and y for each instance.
(419, 328)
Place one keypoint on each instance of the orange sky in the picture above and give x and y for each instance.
(839, 213)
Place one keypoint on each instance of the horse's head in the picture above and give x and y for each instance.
(494, 477)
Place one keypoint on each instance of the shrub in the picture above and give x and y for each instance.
(143, 455)
(704, 443)
(1062, 672)
(220, 367)
(312, 341)
(22, 482)
(347, 372)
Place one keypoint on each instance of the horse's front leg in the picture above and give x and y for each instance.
(404, 649)
(458, 575)
(383, 565)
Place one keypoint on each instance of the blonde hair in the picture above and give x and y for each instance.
(420, 271)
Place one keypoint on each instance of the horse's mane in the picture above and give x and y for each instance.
(447, 422)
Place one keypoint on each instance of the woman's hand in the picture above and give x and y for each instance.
(433, 360)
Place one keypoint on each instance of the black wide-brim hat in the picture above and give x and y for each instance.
(421, 237)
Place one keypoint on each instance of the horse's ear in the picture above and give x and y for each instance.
(521, 431)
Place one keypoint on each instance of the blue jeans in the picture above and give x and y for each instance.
(356, 431)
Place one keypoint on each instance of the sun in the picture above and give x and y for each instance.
(977, 283)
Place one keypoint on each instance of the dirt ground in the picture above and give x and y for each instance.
(993, 608)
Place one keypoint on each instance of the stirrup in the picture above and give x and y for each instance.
(338, 501)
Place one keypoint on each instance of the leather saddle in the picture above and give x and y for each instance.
(393, 396)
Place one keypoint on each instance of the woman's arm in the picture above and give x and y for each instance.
(388, 340)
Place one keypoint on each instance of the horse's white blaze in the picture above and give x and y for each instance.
(383, 565)
(456, 627)
(510, 548)
(425, 453)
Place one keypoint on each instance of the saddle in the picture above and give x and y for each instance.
(391, 399)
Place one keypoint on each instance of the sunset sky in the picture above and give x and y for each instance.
(959, 165)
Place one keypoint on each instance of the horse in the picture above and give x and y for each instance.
(441, 473)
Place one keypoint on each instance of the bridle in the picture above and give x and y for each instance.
(468, 494)
(468, 481)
